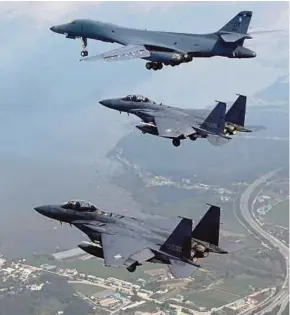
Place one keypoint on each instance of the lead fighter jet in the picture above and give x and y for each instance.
(178, 124)
(122, 240)
(162, 48)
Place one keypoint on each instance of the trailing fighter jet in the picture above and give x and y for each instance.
(162, 48)
(130, 242)
(178, 124)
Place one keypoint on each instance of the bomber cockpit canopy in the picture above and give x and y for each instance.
(136, 98)
(79, 205)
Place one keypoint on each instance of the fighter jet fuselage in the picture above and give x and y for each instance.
(122, 240)
(177, 124)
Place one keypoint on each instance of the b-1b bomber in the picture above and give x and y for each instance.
(127, 241)
(217, 126)
(162, 48)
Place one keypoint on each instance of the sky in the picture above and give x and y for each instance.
(54, 135)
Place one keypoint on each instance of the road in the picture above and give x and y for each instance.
(246, 211)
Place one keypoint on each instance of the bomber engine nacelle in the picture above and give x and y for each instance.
(170, 57)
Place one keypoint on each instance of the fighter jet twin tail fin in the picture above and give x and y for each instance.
(214, 124)
(237, 113)
(178, 244)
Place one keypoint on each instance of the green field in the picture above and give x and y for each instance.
(242, 285)
(87, 289)
(279, 214)
(210, 298)
(96, 268)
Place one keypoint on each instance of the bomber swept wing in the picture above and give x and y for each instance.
(122, 53)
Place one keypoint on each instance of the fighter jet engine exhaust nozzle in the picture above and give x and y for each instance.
(199, 251)
(230, 130)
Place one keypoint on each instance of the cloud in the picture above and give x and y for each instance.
(41, 12)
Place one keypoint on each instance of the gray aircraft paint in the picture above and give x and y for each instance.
(149, 111)
(128, 241)
(168, 48)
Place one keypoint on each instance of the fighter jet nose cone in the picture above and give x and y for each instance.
(254, 54)
(105, 102)
(37, 209)
(41, 209)
(52, 28)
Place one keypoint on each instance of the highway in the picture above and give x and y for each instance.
(246, 208)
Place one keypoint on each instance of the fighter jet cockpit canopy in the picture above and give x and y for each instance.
(136, 98)
(80, 205)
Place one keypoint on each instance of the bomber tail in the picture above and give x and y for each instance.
(239, 24)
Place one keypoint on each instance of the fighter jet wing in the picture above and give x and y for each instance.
(118, 248)
(180, 269)
(123, 53)
(170, 128)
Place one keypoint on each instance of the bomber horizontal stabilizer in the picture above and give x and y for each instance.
(229, 37)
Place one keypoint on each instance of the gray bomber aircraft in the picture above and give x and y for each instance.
(178, 124)
(162, 48)
(127, 241)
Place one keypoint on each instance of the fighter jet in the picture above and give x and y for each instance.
(178, 124)
(162, 48)
(127, 241)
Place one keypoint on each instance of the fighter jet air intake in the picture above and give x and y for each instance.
(161, 48)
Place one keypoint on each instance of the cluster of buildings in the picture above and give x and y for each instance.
(14, 277)
(114, 296)
(247, 303)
